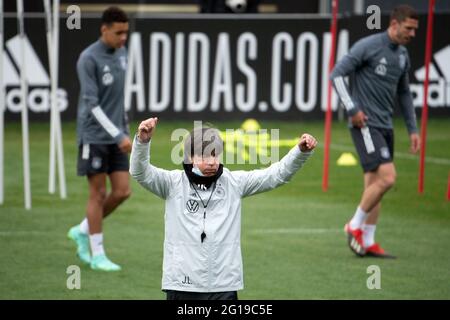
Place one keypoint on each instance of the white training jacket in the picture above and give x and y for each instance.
(214, 265)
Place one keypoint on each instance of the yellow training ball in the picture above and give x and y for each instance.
(250, 125)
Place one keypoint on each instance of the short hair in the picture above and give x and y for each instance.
(204, 142)
(403, 12)
(114, 14)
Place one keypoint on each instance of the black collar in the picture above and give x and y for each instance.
(199, 180)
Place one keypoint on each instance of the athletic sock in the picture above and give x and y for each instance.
(84, 226)
(96, 241)
(358, 218)
(369, 234)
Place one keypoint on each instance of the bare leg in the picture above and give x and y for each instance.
(376, 185)
(369, 225)
(97, 194)
(120, 191)
(381, 182)
(370, 178)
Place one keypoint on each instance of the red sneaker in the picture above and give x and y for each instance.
(354, 240)
(376, 251)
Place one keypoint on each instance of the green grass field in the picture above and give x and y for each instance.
(292, 238)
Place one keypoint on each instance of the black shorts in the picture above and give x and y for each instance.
(375, 146)
(101, 158)
(184, 295)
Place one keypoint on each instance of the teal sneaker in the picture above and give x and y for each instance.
(102, 263)
(82, 242)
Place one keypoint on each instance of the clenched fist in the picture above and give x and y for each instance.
(146, 129)
(307, 143)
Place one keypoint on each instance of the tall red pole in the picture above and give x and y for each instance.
(328, 114)
(448, 188)
(423, 133)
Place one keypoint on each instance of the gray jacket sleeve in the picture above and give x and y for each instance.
(157, 180)
(88, 81)
(86, 69)
(279, 173)
(344, 67)
(405, 101)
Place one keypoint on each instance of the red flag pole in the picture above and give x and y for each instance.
(423, 133)
(328, 114)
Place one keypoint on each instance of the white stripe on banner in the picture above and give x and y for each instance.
(343, 93)
(367, 140)
(105, 122)
(85, 152)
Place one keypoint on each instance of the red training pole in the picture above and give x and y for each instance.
(448, 188)
(423, 133)
(328, 114)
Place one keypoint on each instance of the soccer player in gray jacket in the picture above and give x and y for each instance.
(202, 249)
(102, 135)
(379, 65)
